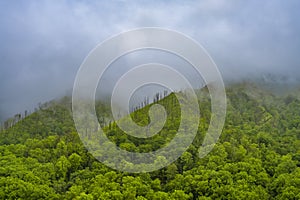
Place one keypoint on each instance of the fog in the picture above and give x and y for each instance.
(43, 43)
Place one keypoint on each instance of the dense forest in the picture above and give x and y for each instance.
(256, 157)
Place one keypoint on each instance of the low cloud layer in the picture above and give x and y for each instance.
(44, 42)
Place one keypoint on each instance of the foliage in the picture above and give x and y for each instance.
(257, 156)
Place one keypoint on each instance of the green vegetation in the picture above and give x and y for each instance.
(257, 156)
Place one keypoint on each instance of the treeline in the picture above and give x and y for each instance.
(8, 123)
(157, 97)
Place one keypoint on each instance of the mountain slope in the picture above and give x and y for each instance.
(257, 156)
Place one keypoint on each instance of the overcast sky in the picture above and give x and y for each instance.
(43, 43)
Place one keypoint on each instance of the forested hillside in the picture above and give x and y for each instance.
(257, 156)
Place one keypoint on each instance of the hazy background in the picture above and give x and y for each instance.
(42, 43)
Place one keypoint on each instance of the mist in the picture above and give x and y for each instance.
(43, 43)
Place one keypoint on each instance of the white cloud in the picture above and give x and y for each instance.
(44, 42)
